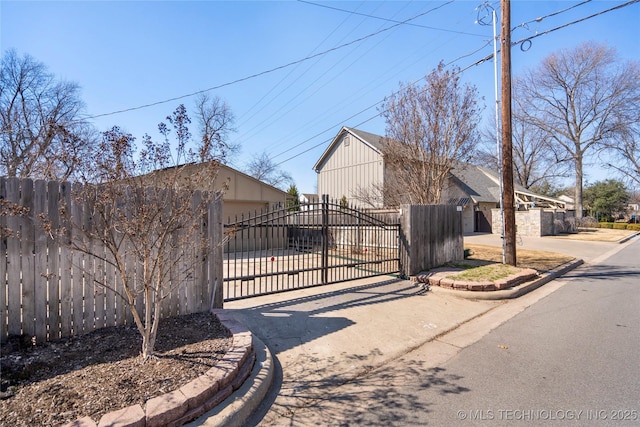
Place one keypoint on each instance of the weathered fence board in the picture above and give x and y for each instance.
(53, 259)
(77, 258)
(431, 236)
(64, 285)
(3, 262)
(14, 282)
(49, 290)
(40, 260)
(27, 251)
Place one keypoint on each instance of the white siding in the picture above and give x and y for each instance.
(351, 164)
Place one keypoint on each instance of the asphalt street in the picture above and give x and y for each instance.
(569, 354)
(573, 358)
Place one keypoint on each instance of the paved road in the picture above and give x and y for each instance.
(569, 355)
(573, 358)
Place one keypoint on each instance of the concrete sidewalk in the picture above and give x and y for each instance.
(324, 337)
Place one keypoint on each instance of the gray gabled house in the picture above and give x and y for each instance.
(353, 161)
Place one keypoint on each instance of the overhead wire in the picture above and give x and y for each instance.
(284, 78)
(336, 73)
(461, 70)
(353, 95)
(262, 73)
(256, 128)
(388, 20)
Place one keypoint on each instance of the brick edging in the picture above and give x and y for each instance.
(197, 396)
(440, 279)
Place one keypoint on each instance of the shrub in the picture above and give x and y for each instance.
(634, 227)
(619, 226)
(608, 225)
(588, 222)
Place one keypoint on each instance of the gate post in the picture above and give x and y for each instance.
(325, 240)
(430, 235)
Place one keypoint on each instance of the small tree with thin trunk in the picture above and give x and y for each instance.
(429, 129)
(146, 216)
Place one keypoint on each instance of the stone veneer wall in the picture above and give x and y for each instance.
(537, 222)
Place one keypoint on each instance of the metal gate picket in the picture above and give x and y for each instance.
(306, 245)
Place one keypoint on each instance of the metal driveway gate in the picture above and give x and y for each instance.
(307, 245)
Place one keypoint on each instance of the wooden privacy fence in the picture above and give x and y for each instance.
(431, 235)
(48, 290)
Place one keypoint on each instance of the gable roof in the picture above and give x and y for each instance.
(476, 182)
(224, 172)
(372, 140)
(483, 185)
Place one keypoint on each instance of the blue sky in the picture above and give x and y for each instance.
(128, 54)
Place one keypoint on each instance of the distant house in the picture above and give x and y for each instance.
(568, 201)
(353, 161)
(243, 194)
(307, 200)
(477, 190)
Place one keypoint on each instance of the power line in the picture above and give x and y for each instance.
(262, 73)
(256, 129)
(620, 6)
(390, 20)
(369, 108)
(459, 71)
(318, 118)
(539, 19)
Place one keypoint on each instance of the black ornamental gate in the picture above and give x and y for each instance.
(306, 245)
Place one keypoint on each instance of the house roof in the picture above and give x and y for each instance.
(225, 171)
(480, 186)
(483, 185)
(372, 140)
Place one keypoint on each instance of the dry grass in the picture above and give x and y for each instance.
(486, 273)
(538, 260)
(596, 235)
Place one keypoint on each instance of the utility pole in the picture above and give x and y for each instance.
(509, 216)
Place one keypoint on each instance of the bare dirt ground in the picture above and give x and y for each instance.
(100, 372)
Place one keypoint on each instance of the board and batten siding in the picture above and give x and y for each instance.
(350, 165)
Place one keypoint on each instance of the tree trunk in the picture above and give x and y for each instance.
(579, 179)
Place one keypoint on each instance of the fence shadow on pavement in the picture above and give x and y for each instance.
(295, 321)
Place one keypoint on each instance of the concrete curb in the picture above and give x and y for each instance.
(515, 292)
(626, 239)
(238, 408)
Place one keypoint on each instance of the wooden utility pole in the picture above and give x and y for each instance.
(509, 216)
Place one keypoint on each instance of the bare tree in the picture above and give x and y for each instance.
(535, 165)
(429, 129)
(263, 168)
(625, 153)
(215, 120)
(580, 99)
(147, 216)
(42, 134)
